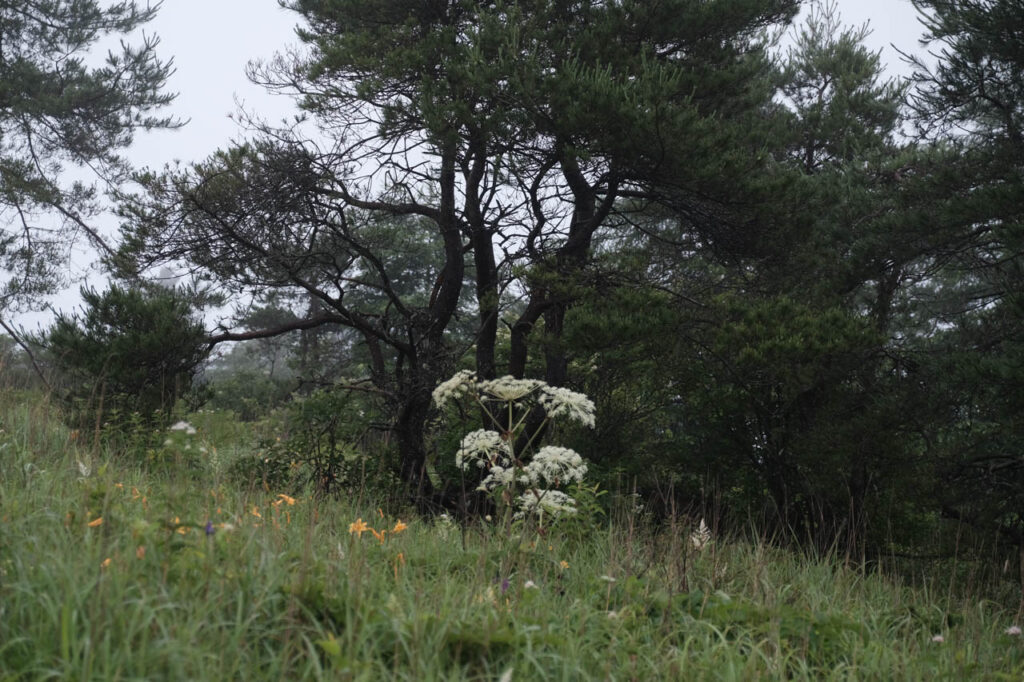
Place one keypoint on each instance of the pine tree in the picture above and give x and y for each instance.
(971, 103)
(57, 110)
(509, 132)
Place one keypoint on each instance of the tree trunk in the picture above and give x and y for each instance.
(487, 303)
(412, 451)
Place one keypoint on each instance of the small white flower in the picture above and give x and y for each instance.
(530, 585)
(183, 426)
(607, 578)
(83, 468)
(700, 538)
(938, 639)
(1013, 631)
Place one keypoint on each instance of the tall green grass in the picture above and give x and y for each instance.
(112, 571)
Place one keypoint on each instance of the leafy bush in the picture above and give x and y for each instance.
(318, 449)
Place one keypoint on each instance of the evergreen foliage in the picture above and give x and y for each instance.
(131, 351)
(972, 103)
(57, 107)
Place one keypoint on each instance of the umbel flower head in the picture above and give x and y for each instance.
(500, 476)
(509, 389)
(482, 449)
(459, 385)
(492, 452)
(557, 403)
(554, 466)
(545, 503)
(561, 402)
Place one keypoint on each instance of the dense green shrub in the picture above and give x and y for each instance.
(324, 445)
(130, 351)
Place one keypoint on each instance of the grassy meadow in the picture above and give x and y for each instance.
(110, 570)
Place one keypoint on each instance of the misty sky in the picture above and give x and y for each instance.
(211, 41)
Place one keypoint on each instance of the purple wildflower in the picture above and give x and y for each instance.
(210, 530)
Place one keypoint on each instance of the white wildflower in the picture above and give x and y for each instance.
(183, 426)
(84, 468)
(509, 389)
(445, 525)
(459, 385)
(540, 502)
(553, 466)
(499, 476)
(1013, 631)
(530, 585)
(608, 578)
(700, 538)
(484, 449)
(561, 402)
(938, 639)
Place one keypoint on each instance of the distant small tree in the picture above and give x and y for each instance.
(130, 351)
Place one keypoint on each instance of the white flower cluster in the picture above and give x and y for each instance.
(459, 385)
(556, 402)
(509, 389)
(701, 537)
(561, 402)
(550, 467)
(554, 466)
(544, 502)
(183, 426)
(499, 476)
(484, 449)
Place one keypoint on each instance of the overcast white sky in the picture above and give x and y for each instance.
(212, 40)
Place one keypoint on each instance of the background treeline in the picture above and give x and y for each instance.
(792, 286)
